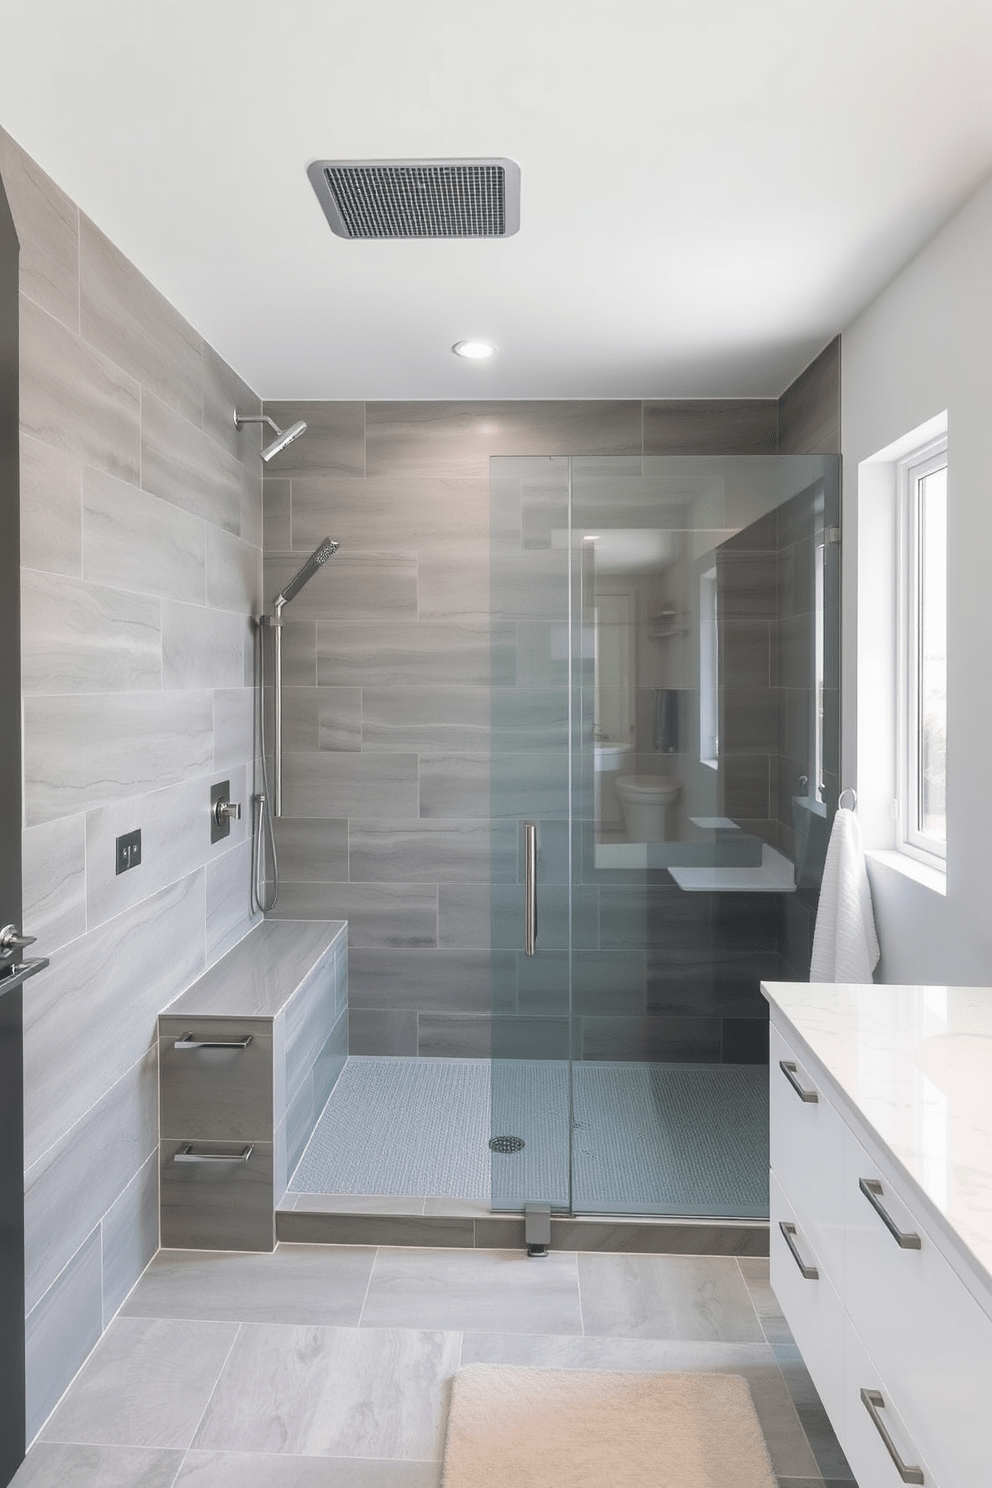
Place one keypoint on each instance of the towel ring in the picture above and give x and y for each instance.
(848, 791)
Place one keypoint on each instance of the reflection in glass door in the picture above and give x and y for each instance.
(665, 711)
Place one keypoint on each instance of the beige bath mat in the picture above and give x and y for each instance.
(576, 1428)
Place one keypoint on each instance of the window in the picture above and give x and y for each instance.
(922, 721)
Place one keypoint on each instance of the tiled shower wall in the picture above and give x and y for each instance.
(387, 665)
(141, 557)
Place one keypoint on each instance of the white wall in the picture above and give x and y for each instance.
(925, 345)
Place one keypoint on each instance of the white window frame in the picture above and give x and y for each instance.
(910, 839)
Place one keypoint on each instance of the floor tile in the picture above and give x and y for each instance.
(68, 1465)
(145, 1385)
(473, 1289)
(236, 1469)
(645, 1296)
(294, 1284)
(764, 1300)
(333, 1392)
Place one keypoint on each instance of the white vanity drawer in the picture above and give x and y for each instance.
(864, 1447)
(814, 1310)
(924, 1331)
(807, 1153)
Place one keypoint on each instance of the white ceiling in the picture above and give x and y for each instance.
(710, 190)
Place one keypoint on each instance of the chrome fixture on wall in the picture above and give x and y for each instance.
(283, 436)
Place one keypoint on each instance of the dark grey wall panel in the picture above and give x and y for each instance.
(711, 426)
(809, 410)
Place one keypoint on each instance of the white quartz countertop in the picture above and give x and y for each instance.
(915, 1063)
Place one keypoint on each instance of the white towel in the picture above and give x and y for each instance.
(845, 945)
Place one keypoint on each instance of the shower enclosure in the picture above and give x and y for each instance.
(665, 728)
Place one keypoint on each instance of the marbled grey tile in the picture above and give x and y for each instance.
(312, 850)
(61, 1330)
(183, 465)
(138, 542)
(53, 858)
(321, 1203)
(425, 718)
(47, 223)
(425, 515)
(146, 1384)
(74, 1466)
(655, 1039)
(420, 851)
(475, 1290)
(441, 981)
(118, 977)
(380, 586)
(379, 915)
(520, 784)
(453, 1035)
(340, 784)
(75, 399)
(217, 1206)
(251, 506)
(711, 426)
(295, 1284)
(421, 652)
(329, 1228)
(215, 1093)
(325, 718)
(453, 582)
(233, 727)
(234, 1469)
(330, 1062)
(334, 442)
(456, 439)
(234, 573)
(389, 1031)
(688, 1297)
(80, 638)
(664, 1237)
(310, 1017)
(299, 658)
(129, 1232)
(809, 409)
(126, 318)
(124, 744)
(277, 527)
(230, 913)
(81, 1176)
(464, 917)
(224, 394)
(51, 509)
(333, 1392)
(203, 648)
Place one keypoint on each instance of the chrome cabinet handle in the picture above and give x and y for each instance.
(872, 1190)
(788, 1068)
(530, 887)
(788, 1231)
(873, 1402)
(187, 1155)
(190, 1041)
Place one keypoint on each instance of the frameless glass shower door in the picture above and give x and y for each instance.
(665, 654)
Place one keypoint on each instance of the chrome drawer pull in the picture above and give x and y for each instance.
(190, 1041)
(187, 1155)
(788, 1230)
(873, 1403)
(872, 1190)
(788, 1068)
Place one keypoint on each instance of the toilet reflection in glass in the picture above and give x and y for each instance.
(645, 801)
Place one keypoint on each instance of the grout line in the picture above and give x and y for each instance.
(213, 1391)
(368, 1287)
(578, 1285)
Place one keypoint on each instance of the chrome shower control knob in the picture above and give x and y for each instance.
(225, 811)
(11, 940)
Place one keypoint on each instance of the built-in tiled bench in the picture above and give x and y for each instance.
(247, 1058)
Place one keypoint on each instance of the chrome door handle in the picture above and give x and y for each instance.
(530, 887)
(873, 1402)
(788, 1231)
(11, 939)
(187, 1155)
(872, 1190)
(788, 1068)
(190, 1041)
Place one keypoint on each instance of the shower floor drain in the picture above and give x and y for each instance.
(506, 1144)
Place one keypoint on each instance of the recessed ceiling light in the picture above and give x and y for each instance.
(475, 351)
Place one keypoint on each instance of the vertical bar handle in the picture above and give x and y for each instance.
(873, 1402)
(530, 887)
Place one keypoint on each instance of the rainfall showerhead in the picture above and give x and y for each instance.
(320, 555)
(283, 436)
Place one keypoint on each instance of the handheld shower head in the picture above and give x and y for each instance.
(320, 555)
(283, 436)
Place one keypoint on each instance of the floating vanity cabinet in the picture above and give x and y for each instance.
(881, 1220)
(247, 1058)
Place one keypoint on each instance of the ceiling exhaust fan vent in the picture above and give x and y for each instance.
(418, 198)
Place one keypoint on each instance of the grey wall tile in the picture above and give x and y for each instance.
(225, 393)
(299, 654)
(203, 647)
(126, 318)
(206, 1209)
(53, 858)
(129, 1232)
(378, 915)
(453, 1036)
(301, 1117)
(79, 637)
(312, 849)
(453, 582)
(657, 1039)
(457, 439)
(342, 784)
(424, 651)
(330, 1062)
(51, 509)
(420, 851)
(444, 981)
(809, 409)
(379, 586)
(425, 514)
(711, 426)
(277, 527)
(334, 443)
(455, 785)
(233, 727)
(425, 718)
(183, 465)
(234, 573)
(464, 916)
(83, 1174)
(383, 1031)
(325, 718)
(229, 911)
(47, 225)
(122, 745)
(61, 1330)
(118, 977)
(75, 399)
(139, 542)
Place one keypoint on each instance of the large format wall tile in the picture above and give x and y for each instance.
(376, 586)
(341, 784)
(129, 1232)
(312, 849)
(420, 513)
(79, 637)
(390, 655)
(809, 409)
(419, 851)
(224, 394)
(378, 915)
(53, 858)
(711, 426)
(139, 542)
(325, 718)
(334, 443)
(204, 648)
(183, 465)
(61, 1330)
(51, 528)
(47, 225)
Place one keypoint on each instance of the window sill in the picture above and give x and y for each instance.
(928, 878)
